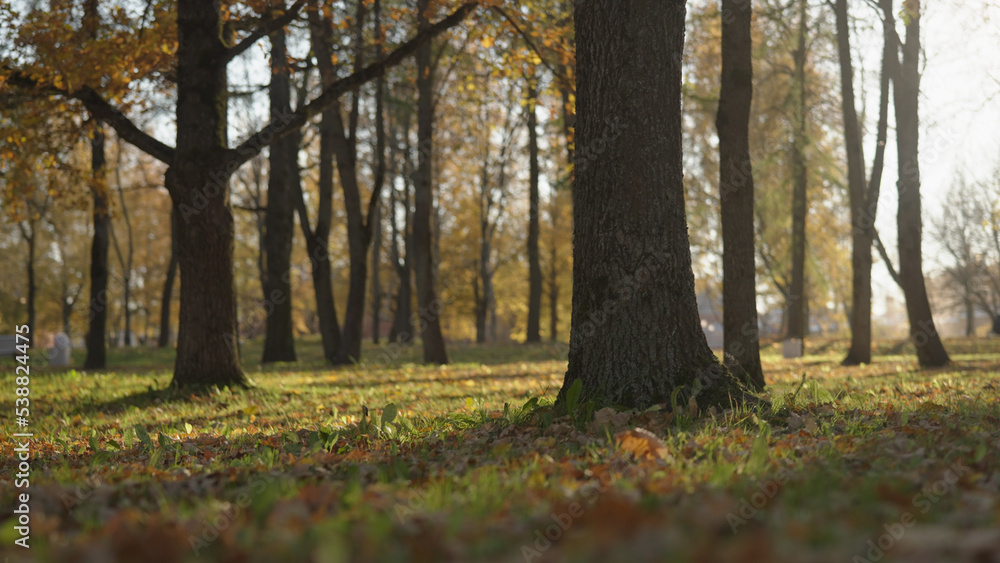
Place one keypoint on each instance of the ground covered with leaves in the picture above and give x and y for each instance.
(393, 461)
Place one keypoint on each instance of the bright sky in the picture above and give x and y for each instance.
(959, 111)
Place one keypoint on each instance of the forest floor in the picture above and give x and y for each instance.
(399, 462)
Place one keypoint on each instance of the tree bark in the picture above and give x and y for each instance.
(279, 220)
(168, 286)
(906, 83)
(739, 284)
(636, 335)
(797, 298)
(207, 346)
(97, 326)
(534, 260)
(430, 306)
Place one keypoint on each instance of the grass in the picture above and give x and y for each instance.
(392, 461)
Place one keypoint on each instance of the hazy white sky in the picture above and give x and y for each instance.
(959, 111)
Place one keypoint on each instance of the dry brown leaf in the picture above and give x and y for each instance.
(642, 444)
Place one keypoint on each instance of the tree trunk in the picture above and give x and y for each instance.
(636, 335)
(970, 318)
(207, 346)
(796, 305)
(402, 327)
(930, 350)
(430, 306)
(379, 180)
(168, 286)
(863, 201)
(97, 326)
(125, 261)
(739, 285)
(29, 237)
(318, 239)
(534, 260)
(279, 220)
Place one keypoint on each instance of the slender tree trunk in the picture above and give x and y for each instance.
(379, 180)
(861, 256)
(402, 327)
(279, 220)
(97, 326)
(863, 217)
(168, 286)
(430, 306)
(970, 318)
(636, 335)
(30, 235)
(797, 303)
(207, 346)
(930, 349)
(318, 239)
(124, 260)
(739, 285)
(534, 260)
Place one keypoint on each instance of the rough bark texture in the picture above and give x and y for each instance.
(739, 286)
(207, 348)
(797, 299)
(279, 220)
(930, 350)
(534, 260)
(636, 335)
(167, 296)
(863, 199)
(430, 306)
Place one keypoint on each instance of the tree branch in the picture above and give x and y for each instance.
(264, 30)
(295, 120)
(885, 258)
(100, 109)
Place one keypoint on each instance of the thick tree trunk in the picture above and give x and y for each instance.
(739, 285)
(279, 221)
(168, 286)
(534, 260)
(930, 350)
(430, 306)
(207, 346)
(636, 335)
(97, 326)
(797, 299)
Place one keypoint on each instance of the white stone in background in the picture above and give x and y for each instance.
(59, 354)
(792, 348)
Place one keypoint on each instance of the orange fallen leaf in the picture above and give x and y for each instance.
(642, 444)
